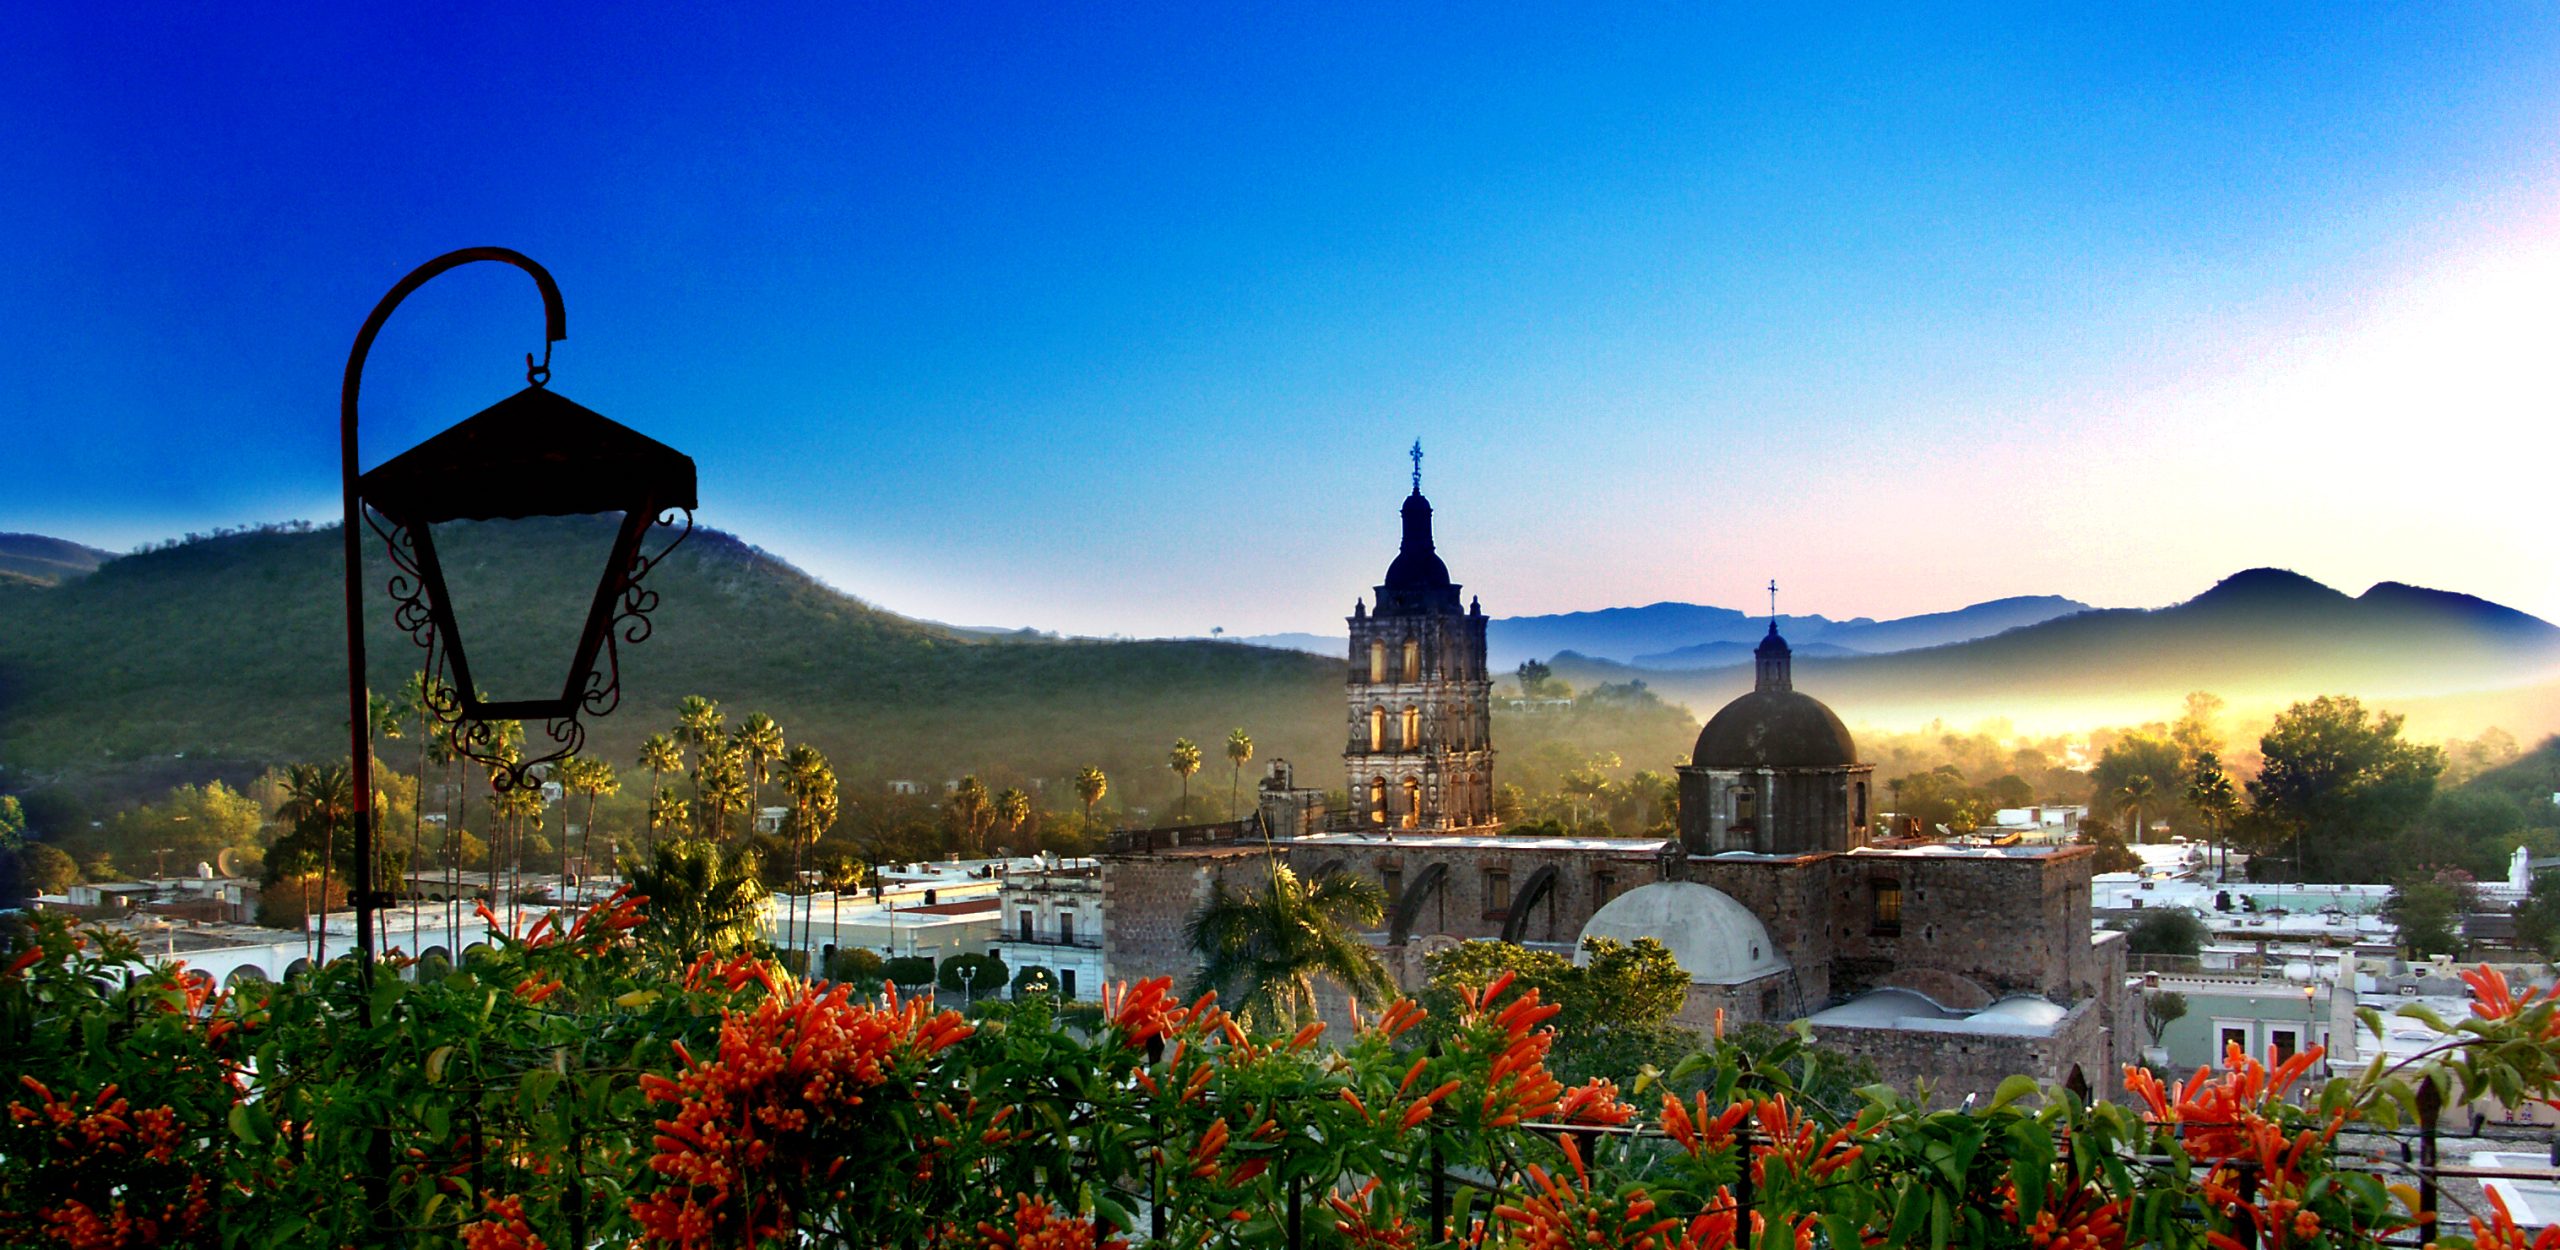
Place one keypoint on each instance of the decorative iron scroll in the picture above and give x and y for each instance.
(485, 740)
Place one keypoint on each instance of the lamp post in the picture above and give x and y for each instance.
(533, 454)
(968, 982)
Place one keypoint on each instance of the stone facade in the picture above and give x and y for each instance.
(1418, 747)
(1532, 890)
(1151, 891)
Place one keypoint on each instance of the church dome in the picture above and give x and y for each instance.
(1774, 726)
(1716, 940)
(1417, 566)
(1774, 729)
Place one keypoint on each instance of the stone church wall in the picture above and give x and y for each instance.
(1148, 900)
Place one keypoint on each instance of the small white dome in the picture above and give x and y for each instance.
(1716, 940)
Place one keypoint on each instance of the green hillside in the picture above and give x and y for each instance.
(228, 652)
(33, 559)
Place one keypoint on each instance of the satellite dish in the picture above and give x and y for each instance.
(227, 862)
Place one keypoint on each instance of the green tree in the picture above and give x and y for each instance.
(720, 777)
(1265, 948)
(13, 823)
(2199, 727)
(2135, 779)
(2538, 918)
(1617, 1005)
(698, 726)
(660, 754)
(2171, 931)
(2332, 768)
(1184, 761)
(1012, 812)
(2210, 792)
(2160, 1009)
(810, 782)
(47, 869)
(2428, 909)
(971, 811)
(1239, 750)
(319, 803)
(1091, 785)
(593, 777)
(760, 746)
(974, 975)
(703, 897)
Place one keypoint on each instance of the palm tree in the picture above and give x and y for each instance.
(971, 811)
(720, 778)
(698, 727)
(1264, 949)
(318, 798)
(842, 873)
(759, 740)
(593, 777)
(2214, 797)
(1012, 810)
(1239, 749)
(1184, 761)
(1091, 785)
(2136, 794)
(660, 754)
(702, 897)
(811, 783)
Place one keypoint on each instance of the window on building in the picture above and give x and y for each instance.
(1067, 983)
(1378, 800)
(1411, 730)
(1603, 886)
(1067, 928)
(1377, 661)
(1858, 804)
(1497, 889)
(1392, 879)
(2284, 1042)
(1377, 729)
(2232, 1035)
(1888, 905)
(1026, 925)
(1412, 802)
(1746, 807)
(1412, 660)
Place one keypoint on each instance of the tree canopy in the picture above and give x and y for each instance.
(2337, 783)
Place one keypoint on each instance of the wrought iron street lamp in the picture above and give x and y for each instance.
(532, 454)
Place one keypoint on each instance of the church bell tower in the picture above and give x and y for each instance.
(1420, 754)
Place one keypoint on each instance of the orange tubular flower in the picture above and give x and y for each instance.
(505, 1229)
(1367, 1229)
(1557, 1216)
(754, 1124)
(2499, 1231)
(1035, 1224)
(1143, 1011)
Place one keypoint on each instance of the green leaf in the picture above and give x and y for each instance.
(436, 1059)
(2011, 1090)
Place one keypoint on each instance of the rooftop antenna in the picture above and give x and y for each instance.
(1417, 466)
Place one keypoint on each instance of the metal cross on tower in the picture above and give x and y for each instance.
(1773, 601)
(1417, 466)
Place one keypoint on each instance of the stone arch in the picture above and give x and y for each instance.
(297, 969)
(1539, 888)
(2077, 1083)
(1327, 869)
(245, 974)
(1424, 887)
(434, 964)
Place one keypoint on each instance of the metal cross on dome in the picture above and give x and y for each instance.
(1773, 601)
(1417, 466)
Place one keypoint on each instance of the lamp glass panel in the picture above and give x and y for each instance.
(520, 591)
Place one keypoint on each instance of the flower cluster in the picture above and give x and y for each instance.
(109, 1174)
(773, 1117)
(1035, 1224)
(1561, 1214)
(504, 1229)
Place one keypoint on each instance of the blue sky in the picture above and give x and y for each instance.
(1120, 320)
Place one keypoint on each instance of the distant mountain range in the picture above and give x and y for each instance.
(2260, 637)
(218, 656)
(42, 561)
(1695, 636)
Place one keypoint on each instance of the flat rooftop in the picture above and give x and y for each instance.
(1488, 842)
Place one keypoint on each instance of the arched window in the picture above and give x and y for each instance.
(1412, 660)
(1859, 808)
(1746, 807)
(1377, 661)
(1412, 728)
(1377, 729)
(1412, 802)
(1378, 800)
